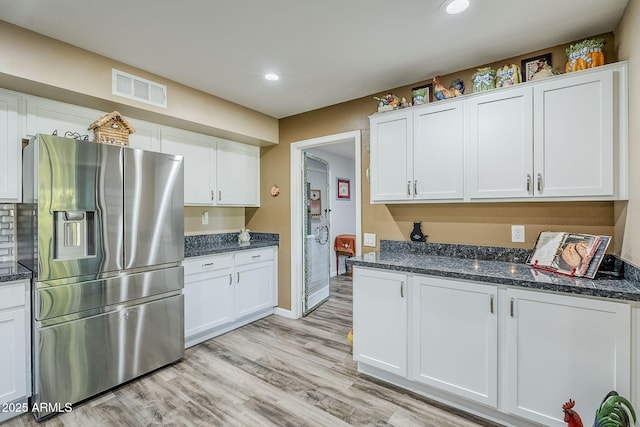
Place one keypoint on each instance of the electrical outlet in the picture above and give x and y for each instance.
(517, 233)
(370, 239)
(205, 218)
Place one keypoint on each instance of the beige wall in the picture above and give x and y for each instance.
(38, 65)
(221, 220)
(477, 223)
(628, 213)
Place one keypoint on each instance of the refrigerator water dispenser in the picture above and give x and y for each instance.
(74, 235)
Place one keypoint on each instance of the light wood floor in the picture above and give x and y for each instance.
(274, 372)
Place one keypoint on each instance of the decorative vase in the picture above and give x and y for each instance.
(416, 234)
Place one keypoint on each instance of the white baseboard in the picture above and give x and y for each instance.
(285, 313)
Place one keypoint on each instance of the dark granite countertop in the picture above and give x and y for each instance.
(10, 271)
(476, 267)
(208, 244)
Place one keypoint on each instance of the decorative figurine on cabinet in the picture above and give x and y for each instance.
(440, 92)
(416, 234)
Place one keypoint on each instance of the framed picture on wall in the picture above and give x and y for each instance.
(315, 204)
(343, 189)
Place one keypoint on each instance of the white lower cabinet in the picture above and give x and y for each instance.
(223, 292)
(501, 352)
(380, 319)
(14, 341)
(560, 347)
(453, 336)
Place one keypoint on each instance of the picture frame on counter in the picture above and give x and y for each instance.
(529, 66)
(343, 189)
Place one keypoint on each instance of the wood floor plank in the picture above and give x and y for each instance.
(273, 372)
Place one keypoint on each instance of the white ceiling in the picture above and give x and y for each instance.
(326, 52)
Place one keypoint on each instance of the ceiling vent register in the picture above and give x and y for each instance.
(139, 89)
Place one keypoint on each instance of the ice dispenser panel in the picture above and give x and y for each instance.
(74, 235)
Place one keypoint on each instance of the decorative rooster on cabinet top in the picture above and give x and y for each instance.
(614, 411)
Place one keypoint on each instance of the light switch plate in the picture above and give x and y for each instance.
(370, 239)
(205, 218)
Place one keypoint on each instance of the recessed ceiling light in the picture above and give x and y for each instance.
(457, 6)
(271, 76)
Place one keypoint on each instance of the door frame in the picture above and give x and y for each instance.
(297, 149)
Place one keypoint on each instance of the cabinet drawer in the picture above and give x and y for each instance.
(203, 264)
(12, 296)
(247, 257)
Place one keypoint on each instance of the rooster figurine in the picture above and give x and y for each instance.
(614, 411)
(440, 92)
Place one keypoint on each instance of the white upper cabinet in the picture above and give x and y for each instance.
(46, 116)
(391, 170)
(417, 154)
(574, 136)
(438, 163)
(561, 138)
(499, 138)
(237, 174)
(10, 149)
(199, 158)
(146, 135)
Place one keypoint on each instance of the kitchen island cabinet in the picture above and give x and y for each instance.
(380, 319)
(497, 338)
(15, 382)
(559, 347)
(453, 337)
(225, 291)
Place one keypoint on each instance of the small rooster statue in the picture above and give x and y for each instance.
(614, 411)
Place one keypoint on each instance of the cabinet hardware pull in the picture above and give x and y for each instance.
(209, 264)
(230, 279)
(528, 183)
(219, 195)
(402, 289)
(255, 256)
(511, 307)
(539, 183)
(213, 196)
(491, 304)
(238, 277)
(415, 187)
(409, 188)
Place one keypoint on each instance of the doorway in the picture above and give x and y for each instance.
(317, 221)
(298, 197)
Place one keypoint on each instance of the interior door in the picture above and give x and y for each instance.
(316, 247)
(153, 208)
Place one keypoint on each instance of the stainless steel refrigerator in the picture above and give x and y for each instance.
(102, 229)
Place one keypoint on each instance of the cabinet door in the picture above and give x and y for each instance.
(574, 136)
(380, 319)
(499, 135)
(208, 301)
(453, 337)
(13, 357)
(10, 149)
(199, 156)
(237, 174)
(46, 116)
(255, 284)
(560, 347)
(391, 167)
(146, 136)
(438, 165)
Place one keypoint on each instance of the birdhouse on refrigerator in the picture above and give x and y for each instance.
(112, 128)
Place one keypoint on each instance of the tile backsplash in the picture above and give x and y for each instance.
(7, 245)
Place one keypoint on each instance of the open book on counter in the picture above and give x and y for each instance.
(572, 254)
